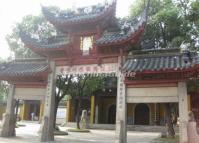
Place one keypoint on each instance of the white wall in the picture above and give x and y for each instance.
(30, 93)
(152, 94)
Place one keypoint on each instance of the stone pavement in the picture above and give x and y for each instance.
(28, 134)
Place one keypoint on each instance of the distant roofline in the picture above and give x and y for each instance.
(76, 19)
(29, 59)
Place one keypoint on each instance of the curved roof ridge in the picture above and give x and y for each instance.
(158, 63)
(155, 55)
(23, 68)
(31, 60)
(81, 15)
(45, 43)
(127, 30)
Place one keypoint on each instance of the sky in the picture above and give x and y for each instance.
(12, 11)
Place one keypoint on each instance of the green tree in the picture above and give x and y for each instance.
(84, 85)
(79, 86)
(3, 88)
(36, 27)
(63, 84)
(171, 22)
(3, 91)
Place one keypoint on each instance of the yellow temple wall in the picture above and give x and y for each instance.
(130, 108)
(25, 108)
(20, 111)
(189, 102)
(103, 106)
(162, 111)
(106, 103)
(2, 110)
(69, 110)
(41, 112)
(153, 114)
(92, 110)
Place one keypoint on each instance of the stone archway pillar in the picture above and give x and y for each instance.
(9, 119)
(47, 129)
(121, 132)
(183, 111)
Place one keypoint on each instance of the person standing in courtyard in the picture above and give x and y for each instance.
(32, 116)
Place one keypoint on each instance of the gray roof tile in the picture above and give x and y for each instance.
(158, 63)
(125, 33)
(53, 42)
(23, 68)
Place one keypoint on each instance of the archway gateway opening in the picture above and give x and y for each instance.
(104, 94)
(142, 114)
(112, 114)
(29, 110)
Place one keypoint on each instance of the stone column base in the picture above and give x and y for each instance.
(8, 126)
(120, 132)
(183, 132)
(47, 131)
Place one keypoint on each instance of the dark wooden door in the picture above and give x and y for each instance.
(112, 114)
(141, 114)
(195, 107)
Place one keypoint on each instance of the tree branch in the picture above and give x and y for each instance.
(84, 83)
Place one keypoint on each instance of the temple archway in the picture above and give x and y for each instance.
(34, 108)
(112, 114)
(142, 114)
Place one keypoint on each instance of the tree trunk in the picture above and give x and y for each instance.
(78, 112)
(170, 129)
(163, 35)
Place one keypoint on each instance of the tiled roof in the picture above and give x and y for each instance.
(53, 42)
(80, 15)
(111, 38)
(161, 62)
(125, 33)
(127, 30)
(23, 68)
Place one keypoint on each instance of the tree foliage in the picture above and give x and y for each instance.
(3, 88)
(172, 23)
(84, 85)
(78, 86)
(3, 91)
(36, 27)
(63, 84)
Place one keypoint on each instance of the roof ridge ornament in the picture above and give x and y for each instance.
(127, 30)
(81, 15)
(130, 26)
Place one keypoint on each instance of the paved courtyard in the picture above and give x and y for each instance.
(28, 134)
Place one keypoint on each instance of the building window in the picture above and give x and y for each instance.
(86, 44)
